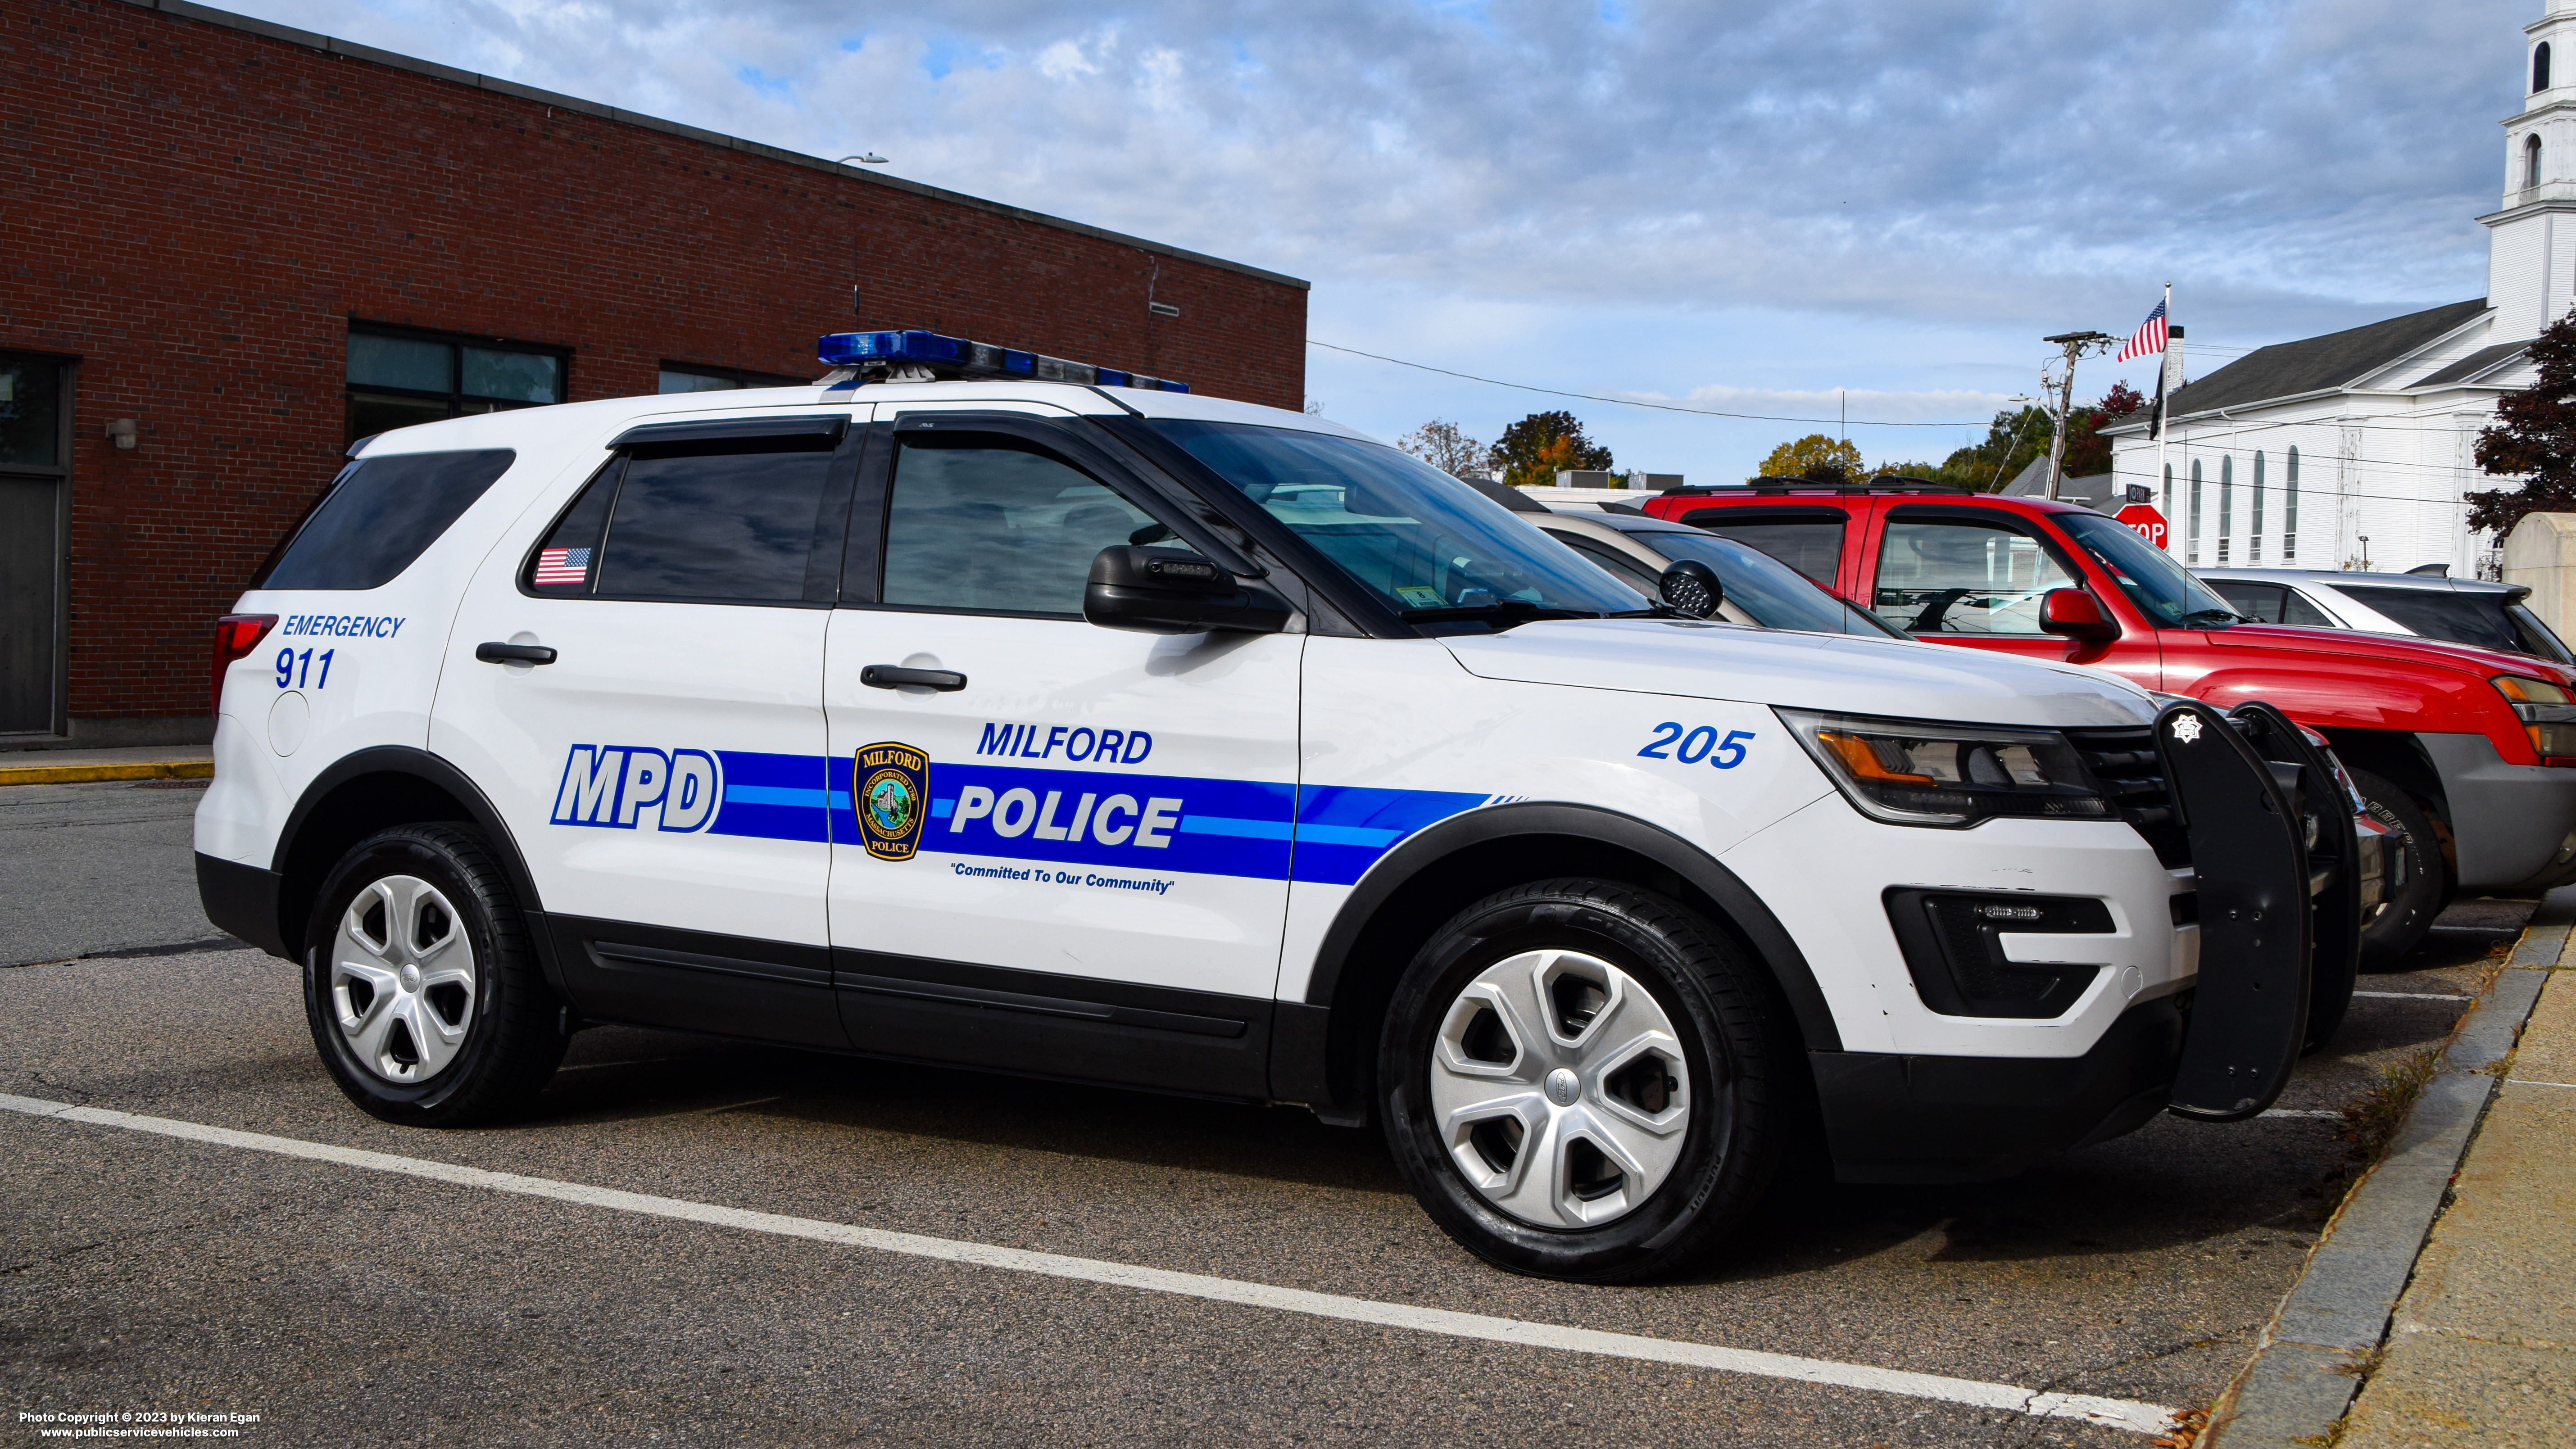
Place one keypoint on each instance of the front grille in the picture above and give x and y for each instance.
(2125, 764)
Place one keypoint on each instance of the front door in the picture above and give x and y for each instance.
(1066, 849)
(662, 768)
(1976, 577)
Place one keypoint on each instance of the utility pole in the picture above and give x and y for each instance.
(2062, 383)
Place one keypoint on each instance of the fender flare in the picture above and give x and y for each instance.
(422, 765)
(1744, 909)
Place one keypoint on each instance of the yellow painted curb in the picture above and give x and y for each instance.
(81, 774)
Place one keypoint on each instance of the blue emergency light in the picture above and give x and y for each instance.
(955, 358)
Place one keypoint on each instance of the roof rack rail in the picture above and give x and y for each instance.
(1884, 483)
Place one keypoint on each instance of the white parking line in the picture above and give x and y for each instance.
(2298, 1112)
(2113, 1413)
(2413, 996)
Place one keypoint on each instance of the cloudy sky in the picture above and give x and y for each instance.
(1770, 208)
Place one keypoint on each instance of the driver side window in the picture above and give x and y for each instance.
(1959, 576)
(986, 523)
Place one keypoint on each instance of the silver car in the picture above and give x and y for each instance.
(2464, 611)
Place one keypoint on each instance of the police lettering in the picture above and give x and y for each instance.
(1076, 742)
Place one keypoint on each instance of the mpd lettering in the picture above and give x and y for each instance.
(615, 786)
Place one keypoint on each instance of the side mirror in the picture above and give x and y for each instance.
(1691, 587)
(2076, 614)
(1174, 591)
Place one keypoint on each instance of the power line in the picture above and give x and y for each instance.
(1632, 402)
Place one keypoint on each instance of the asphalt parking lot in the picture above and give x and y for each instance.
(344, 1302)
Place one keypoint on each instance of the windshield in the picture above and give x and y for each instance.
(1774, 594)
(1429, 545)
(2147, 574)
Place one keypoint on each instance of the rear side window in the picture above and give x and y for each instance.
(734, 523)
(2261, 603)
(2480, 619)
(1812, 546)
(381, 515)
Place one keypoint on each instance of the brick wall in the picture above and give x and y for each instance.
(197, 210)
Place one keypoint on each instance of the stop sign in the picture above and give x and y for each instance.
(2144, 518)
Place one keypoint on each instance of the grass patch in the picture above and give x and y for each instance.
(2372, 1119)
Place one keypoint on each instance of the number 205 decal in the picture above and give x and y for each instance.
(1696, 745)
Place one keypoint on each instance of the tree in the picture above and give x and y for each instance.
(1816, 457)
(2015, 440)
(2087, 451)
(1539, 446)
(2534, 435)
(1443, 446)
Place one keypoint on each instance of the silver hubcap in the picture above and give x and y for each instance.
(402, 979)
(1560, 1089)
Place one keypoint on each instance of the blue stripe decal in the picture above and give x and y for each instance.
(1246, 828)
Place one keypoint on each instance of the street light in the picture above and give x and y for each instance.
(864, 158)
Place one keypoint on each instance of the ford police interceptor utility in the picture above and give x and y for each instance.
(976, 708)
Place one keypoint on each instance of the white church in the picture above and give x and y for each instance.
(2351, 450)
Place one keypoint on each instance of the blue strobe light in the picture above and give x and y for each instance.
(950, 358)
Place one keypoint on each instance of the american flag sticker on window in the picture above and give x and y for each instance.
(562, 566)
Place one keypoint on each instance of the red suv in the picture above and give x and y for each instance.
(2469, 753)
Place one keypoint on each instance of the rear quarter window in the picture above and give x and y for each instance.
(382, 514)
(2461, 618)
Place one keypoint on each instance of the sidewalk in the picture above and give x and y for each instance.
(2482, 1349)
(69, 767)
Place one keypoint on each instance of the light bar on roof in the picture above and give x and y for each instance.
(949, 358)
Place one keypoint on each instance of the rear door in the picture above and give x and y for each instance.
(1065, 848)
(663, 768)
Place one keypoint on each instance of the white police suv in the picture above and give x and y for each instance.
(975, 708)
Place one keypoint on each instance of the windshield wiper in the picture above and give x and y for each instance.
(2208, 617)
(1503, 612)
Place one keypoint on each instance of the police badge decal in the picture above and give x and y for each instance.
(893, 796)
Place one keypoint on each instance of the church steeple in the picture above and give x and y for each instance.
(2531, 244)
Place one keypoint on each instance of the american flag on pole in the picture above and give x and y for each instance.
(2150, 336)
(562, 566)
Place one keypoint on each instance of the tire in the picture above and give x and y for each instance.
(2388, 938)
(420, 984)
(1654, 1037)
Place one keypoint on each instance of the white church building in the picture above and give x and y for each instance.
(2351, 450)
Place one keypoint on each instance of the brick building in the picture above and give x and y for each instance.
(228, 248)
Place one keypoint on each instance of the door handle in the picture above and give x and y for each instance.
(895, 676)
(514, 653)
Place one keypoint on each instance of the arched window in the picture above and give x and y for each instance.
(2226, 504)
(2530, 162)
(2168, 508)
(2254, 539)
(2194, 535)
(2540, 67)
(2290, 508)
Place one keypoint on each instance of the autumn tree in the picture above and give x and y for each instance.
(1445, 447)
(2015, 440)
(1535, 449)
(2534, 435)
(1815, 457)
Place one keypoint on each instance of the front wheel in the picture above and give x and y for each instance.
(420, 986)
(1587, 1081)
(2416, 876)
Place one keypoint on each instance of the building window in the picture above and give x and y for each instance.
(399, 376)
(2168, 508)
(2226, 504)
(2254, 537)
(2540, 67)
(2194, 534)
(2290, 508)
(2530, 162)
(708, 377)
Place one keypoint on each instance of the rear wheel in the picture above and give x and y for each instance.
(2417, 879)
(422, 992)
(1584, 1080)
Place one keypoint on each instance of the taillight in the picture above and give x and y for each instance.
(235, 636)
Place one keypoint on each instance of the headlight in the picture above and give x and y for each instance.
(2545, 711)
(1909, 772)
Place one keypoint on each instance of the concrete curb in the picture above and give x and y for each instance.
(83, 774)
(2313, 1356)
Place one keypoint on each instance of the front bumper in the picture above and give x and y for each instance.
(2514, 826)
(1895, 1117)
